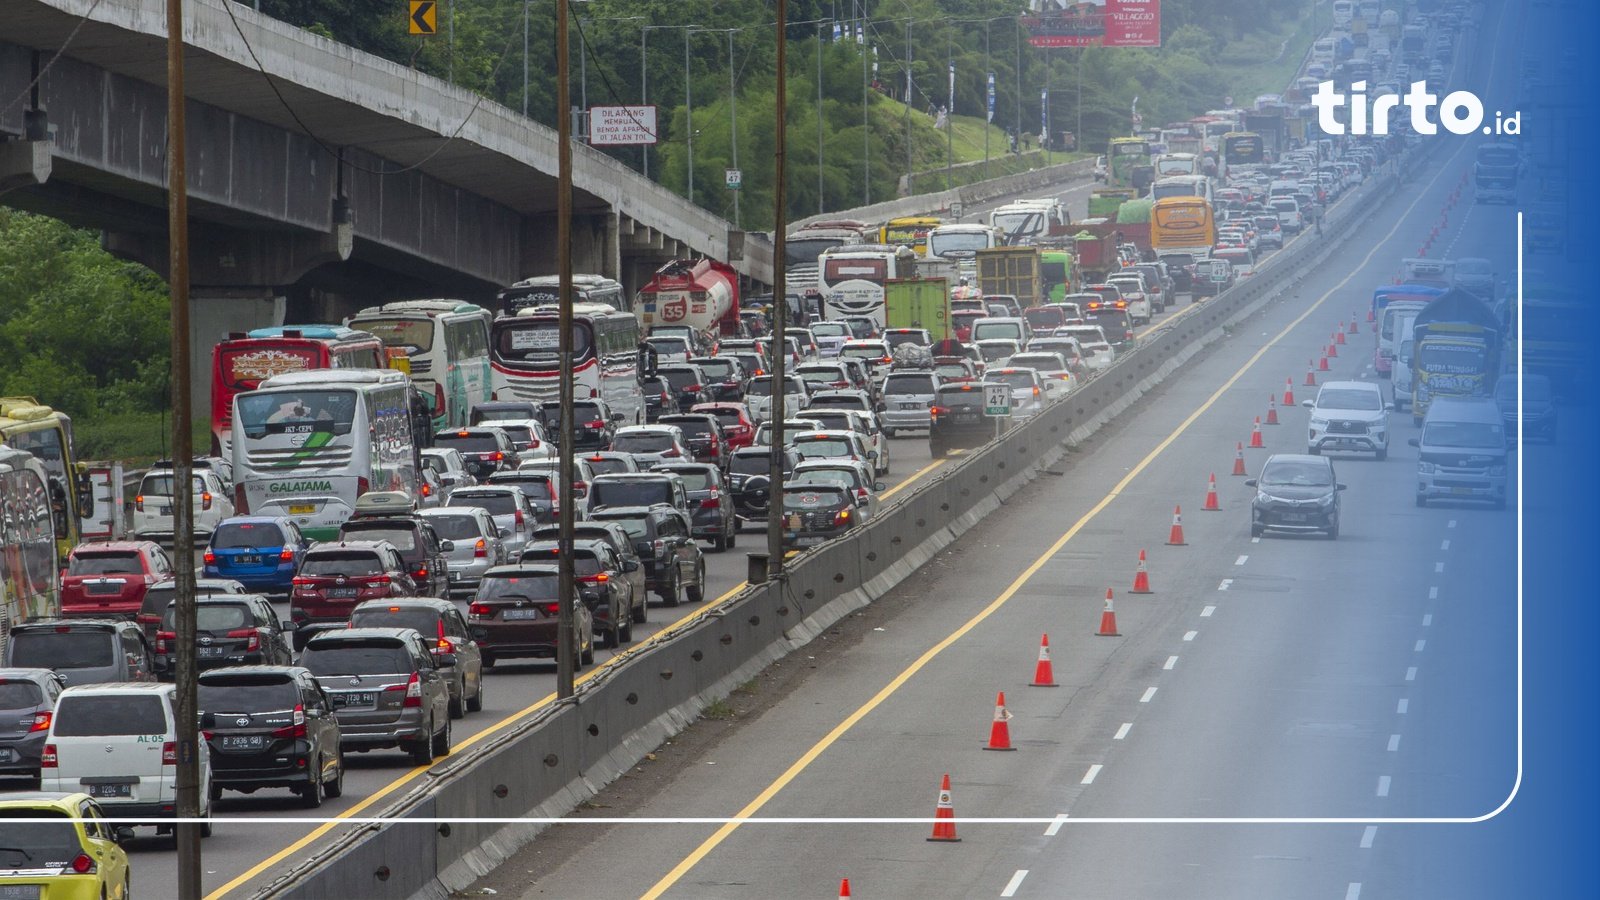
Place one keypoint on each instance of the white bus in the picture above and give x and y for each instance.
(307, 444)
(523, 352)
(851, 279)
(447, 343)
(29, 588)
(544, 290)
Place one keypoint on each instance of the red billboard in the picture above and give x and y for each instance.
(1093, 23)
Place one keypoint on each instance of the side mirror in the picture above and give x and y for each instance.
(122, 834)
(1388, 407)
(444, 660)
(286, 625)
(872, 454)
(446, 546)
(1308, 404)
(1415, 442)
(1338, 487)
(630, 565)
(505, 532)
(618, 417)
(1250, 482)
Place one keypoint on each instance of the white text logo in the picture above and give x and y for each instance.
(1460, 112)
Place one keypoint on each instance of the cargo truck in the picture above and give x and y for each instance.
(1012, 271)
(1133, 221)
(918, 303)
(1456, 350)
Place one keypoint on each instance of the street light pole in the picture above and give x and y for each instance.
(524, 59)
(566, 651)
(733, 123)
(780, 306)
(644, 95)
(688, 102)
(820, 201)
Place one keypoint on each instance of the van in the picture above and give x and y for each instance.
(1013, 328)
(83, 651)
(1462, 452)
(119, 744)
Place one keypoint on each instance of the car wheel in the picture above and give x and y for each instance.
(311, 791)
(888, 432)
(719, 543)
(335, 788)
(733, 534)
(624, 631)
(488, 660)
(205, 827)
(669, 597)
(215, 791)
(697, 591)
(1257, 531)
(422, 750)
(475, 702)
(458, 702)
(1383, 454)
(440, 745)
(584, 653)
(641, 613)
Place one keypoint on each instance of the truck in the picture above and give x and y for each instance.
(1455, 350)
(1269, 124)
(701, 293)
(1494, 173)
(1104, 202)
(1029, 221)
(1057, 274)
(918, 303)
(959, 243)
(1133, 221)
(1011, 270)
(1096, 254)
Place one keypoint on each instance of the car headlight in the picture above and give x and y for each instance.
(1318, 424)
(1325, 501)
(1425, 468)
(1263, 497)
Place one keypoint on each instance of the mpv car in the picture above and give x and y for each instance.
(814, 512)
(419, 546)
(642, 489)
(83, 857)
(230, 629)
(83, 651)
(262, 553)
(650, 444)
(210, 500)
(907, 396)
(1348, 415)
(513, 513)
(702, 433)
(386, 689)
(516, 612)
(485, 449)
(1297, 494)
(613, 589)
(475, 544)
(673, 563)
(337, 576)
(110, 579)
(160, 594)
(27, 704)
(271, 727)
(958, 419)
(710, 502)
(446, 634)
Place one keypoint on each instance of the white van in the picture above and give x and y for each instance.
(1462, 452)
(1009, 327)
(118, 743)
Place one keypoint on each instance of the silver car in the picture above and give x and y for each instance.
(478, 545)
(386, 688)
(907, 398)
(514, 516)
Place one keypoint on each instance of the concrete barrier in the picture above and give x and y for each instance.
(980, 192)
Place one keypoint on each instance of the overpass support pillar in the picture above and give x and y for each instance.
(23, 163)
(595, 246)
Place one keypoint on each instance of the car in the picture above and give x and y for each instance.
(846, 473)
(751, 361)
(386, 688)
(791, 427)
(686, 332)
(1241, 259)
(671, 348)
(60, 845)
(958, 418)
(611, 587)
(1027, 389)
(110, 578)
(160, 594)
(650, 444)
(815, 512)
(607, 462)
(489, 412)
(907, 394)
(738, 429)
(843, 398)
(516, 612)
(702, 433)
(641, 489)
(833, 445)
(338, 575)
(582, 474)
(711, 515)
(953, 368)
(820, 376)
(540, 485)
(271, 726)
(1269, 232)
(617, 537)
(430, 490)
(121, 742)
(875, 353)
(673, 564)
(1290, 218)
(863, 327)
(725, 378)
(594, 423)
(758, 396)
(1098, 353)
(686, 384)
(997, 351)
(27, 703)
(446, 635)
(1295, 493)
(475, 544)
(749, 480)
(1054, 375)
(419, 546)
(1348, 415)
(528, 438)
(1212, 276)
(485, 449)
(806, 340)
(1538, 413)
(1132, 286)
(830, 336)
(513, 513)
(865, 425)
(230, 629)
(211, 501)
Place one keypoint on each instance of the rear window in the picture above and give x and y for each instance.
(584, 562)
(642, 442)
(717, 368)
(20, 694)
(247, 694)
(751, 464)
(694, 479)
(521, 433)
(679, 379)
(63, 650)
(471, 442)
(424, 621)
(356, 564)
(46, 841)
(813, 496)
(824, 447)
(114, 563)
(160, 485)
(1015, 379)
(356, 657)
(495, 504)
(958, 399)
(908, 384)
(607, 465)
(109, 715)
(405, 539)
(523, 587)
(455, 528)
(629, 493)
(692, 427)
(246, 536)
(212, 617)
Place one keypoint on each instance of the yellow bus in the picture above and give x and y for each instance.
(909, 231)
(1182, 224)
(27, 425)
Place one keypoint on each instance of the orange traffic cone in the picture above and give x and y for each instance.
(1371, 316)
(1175, 538)
(1272, 409)
(1255, 436)
(1238, 459)
(1288, 392)
(1353, 323)
(1141, 578)
(1211, 504)
(1044, 674)
(1333, 350)
(944, 828)
(1322, 365)
(1311, 374)
(1000, 731)
(844, 889)
(1338, 335)
(1108, 620)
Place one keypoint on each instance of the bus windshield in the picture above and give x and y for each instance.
(959, 245)
(537, 340)
(415, 336)
(282, 412)
(804, 251)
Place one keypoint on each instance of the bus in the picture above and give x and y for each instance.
(309, 443)
(29, 586)
(33, 428)
(851, 279)
(447, 345)
(243, 361)
(1183, 225)
(523, 356)
(1168, 164)
(1242, 148)
(1494, 173)
(543, 290)
(909, 231)
(1122, 156)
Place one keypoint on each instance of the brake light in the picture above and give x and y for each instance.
(579, 487)
(497, 456)
(1036, 390)
(693, 389)
(205, 500)
(658, 546)
(297, 729)
(842, 517)
(169, 753)
(210, 558)
(83, 865)
(600, 578)
(251, 633)
(520, 520)
(438, 399)
(240, 505)
(885, 359)
(162, 637)
(482, 610)
(597, 424)
(286, 554)
(138, 503)
(673, 452)
(422, 572)
(551, 609)
(301, 581)
(47, 759)
(663, 396)
(362, 486)
(709, 503)
(413, 689)
(480, 550)
(41, 721)
(427, 489)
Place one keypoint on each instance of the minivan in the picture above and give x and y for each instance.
(1463, 452)
(83, 651)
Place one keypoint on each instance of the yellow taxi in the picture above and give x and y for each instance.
(51, 857)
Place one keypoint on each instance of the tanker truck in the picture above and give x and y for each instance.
(700, 294)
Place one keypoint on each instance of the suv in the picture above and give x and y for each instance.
(105, 737)
(1348, 415)
(737, 428)
(814, 512)
(418, 543)
(749, 476)
(649, 444)
(450, 466)
(513, 514)
(702, 432)
(516, 614)
(110, 579)
(758, 396)
(540, 487)
(958, 419)
(485, 449)
(642, 489)
(593, 423)
(230, 629)
(83, 651)
(337, 576)
(475, 543)
(386, 689)
(1027, 389)
(444, 631)
(710, 502)
(211, 502)
(725, 377)
(685, 386)
(161, 593)
(27, 703)
(271, 727)
(260, 552)
(907, 395)
(611, 587)
(673, 563)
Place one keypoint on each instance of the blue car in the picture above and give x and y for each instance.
(261, 552)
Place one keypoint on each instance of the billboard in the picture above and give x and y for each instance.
(1093, 23)
(616, 126)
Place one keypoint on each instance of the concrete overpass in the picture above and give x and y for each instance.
(356, 180)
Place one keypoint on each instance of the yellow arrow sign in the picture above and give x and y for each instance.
(424, 17)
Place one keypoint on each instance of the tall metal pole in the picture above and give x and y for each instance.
(524, 59)
(866, 127)
(733, 123)
(450, 67)
(950, 119)
(688, 103)
(1078, 135)
(780, 304)
(909, 164)
(988, 76)
(644, 95)
(565, 661)
(820, 209)
(1018, 133)
(185, 673)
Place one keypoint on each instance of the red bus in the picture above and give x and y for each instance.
(244, 360)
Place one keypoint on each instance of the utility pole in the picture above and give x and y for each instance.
(909, 164)
(187, 828)
(950, 120)
(1017, 135)
(780, 306)
(988, 110)
(688, 102)
(524, 59)
(733, 122)
(644, 96)
(866, 126)
(566, 649)
(820, 201)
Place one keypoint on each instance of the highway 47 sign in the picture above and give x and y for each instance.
(997, 400)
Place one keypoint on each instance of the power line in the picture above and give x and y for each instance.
(55, 56)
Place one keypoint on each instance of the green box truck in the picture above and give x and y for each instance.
(918, 303)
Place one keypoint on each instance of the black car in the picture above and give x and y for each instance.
(158, 595)
(417, 542)
(750, 479)
(613, 588)
(725, 377)
(813, 513)
(711, 513)
(1181, 267)
(685, 384)
(1116, 323)
(703, 433)
(1296, 493)
(1538, 406)
(27, 704)
(593, 423)
(230, 630)
(956, 419)
(612, 534)
(673, 564)
(270, 727)
(485, 448)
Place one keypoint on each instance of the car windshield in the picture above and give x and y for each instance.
(19, 694)
(542, 586)
(455, 527)
(865, 351)
(62, 650)
(1344, 398)
(495, 504)
(908, 384)
(109, 715)
(342, 656)
(630, 493)
(212, 617)
(350, 564)
(642, 442)
(1463, 435)
(114, 563)
(424, 621)
(694, 479)
(1535, 389)
(404, 539)
(1297, 474)
(717, 369)
(246, 536)
(692, 427)
(247, 694)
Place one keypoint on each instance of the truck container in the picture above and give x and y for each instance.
(1104, 202)
(1010, 270)
(1097, 256)
(918, 303)
(1456, 350)
(700, 293)
(1133, 221)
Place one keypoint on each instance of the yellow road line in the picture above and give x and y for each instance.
(912, 480)
(750, 809)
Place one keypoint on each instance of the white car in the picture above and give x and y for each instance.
(862, 423)
(1136, 293)
(997, 350)
(449, 465)
(833, 445)
(1027, 389)
(758, 396)
(211, 502)
(1348, 415)
(830, 336)
(791, 427)
(1052, 368)
(1098, 354)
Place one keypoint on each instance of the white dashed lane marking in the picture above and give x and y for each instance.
(1189, 636)
(1092, 774)
(1367, 834)
(1240, 561)
(1402, 706)
(1383, 785)
(1394, 743)
(1171, 661)
(1148, 693)
(1123, 731)
(1206, 613)
(1014, 883)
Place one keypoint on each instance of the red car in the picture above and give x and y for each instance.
(335, 577)
(109, 579)
(737, 427)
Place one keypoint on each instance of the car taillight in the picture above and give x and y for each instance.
(580, 488)
(251, 633)
(1036, 390)
(162, 637)
(286, 554)
(240, 505)
(443, 644)
(169, 753)
(210, 558)
(937, 411)
(840, 384)
(885, 360)
(147, 618)
(861, 492)
(205, 500)
(497, 456)
(482, 610)
(302, 581)
(438, 399)
(551, 609)
(663, 396)
(41, 721)
(658, 546)
(421, 573)
(297, 729)
(709, 503)
(47, 759)
(362, 486)
(600, 578)
(597, 424)
(83, 865)
(1128, 335)
(413, 689)
(480, 550)
(138, 503)
(427, 489)
(519, 518)
(842, 517)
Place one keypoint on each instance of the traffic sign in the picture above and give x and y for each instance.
(734, 179)
(997, 400)
(424, 17)
(956, 209)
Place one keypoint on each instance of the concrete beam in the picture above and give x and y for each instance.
(23, 164)
(221, 259)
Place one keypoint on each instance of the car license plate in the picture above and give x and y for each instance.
(20, 891)
(366, 698)
(302, 509)
(211, 652)
(1461, 490)
(911, 406)
(519, 614)
(249, 560)
(111, 790)
(244, 742)
(1294, 517)
(344, 592)
(7, 754)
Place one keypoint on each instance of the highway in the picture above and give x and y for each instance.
(1283, 677)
